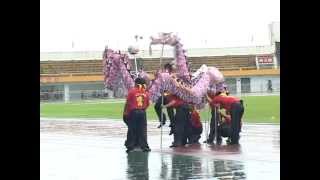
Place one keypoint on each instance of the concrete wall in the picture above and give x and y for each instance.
(86, 89)
(53, 92)
(260, 83)
(77, 91)
(53, 87)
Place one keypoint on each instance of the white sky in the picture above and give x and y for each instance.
(92, 24)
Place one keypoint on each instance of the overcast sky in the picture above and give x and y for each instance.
(92, 24)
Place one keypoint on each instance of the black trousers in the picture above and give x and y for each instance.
(137, 130)
(237, 110)
(182, 125)
(195, 135)
(224, 130)
(157, 108)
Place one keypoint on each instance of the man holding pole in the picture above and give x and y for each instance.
(182, 117)
(213, 122)
(169, 68)
(233, 105)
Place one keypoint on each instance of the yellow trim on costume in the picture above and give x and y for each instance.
(139, 101)
(223, 94)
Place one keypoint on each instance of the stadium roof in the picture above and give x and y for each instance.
(97, 55)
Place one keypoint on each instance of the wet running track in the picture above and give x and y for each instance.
(76, 149)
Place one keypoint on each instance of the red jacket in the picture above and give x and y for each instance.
(138, 98)
(195, 119)
(228, 120)
(178, 101)
(224, 101)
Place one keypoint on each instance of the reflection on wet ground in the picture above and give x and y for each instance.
(182, 167)
(93, 149)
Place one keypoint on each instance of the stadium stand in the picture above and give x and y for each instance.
(77, 75)
(148, 64)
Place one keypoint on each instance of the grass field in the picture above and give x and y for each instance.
(258, 109)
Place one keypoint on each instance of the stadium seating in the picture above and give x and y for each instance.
(78, 66)
(224, 63)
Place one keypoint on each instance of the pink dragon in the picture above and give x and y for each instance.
(193, 89)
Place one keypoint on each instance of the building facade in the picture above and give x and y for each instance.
(246, 69)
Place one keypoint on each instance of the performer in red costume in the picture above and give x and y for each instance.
(233, 105)
(135, 111)
(196, 127)
(181, 120)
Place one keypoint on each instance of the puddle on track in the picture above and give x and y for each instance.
(93, 149)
